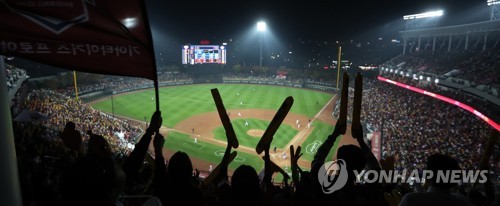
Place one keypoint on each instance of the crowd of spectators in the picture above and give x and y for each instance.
(416, 126)
(61, 109)
(481, 105)
(481, 68)
(13, 75)
(476, 67)
(320, 82)
(261, 78)
(124, 83)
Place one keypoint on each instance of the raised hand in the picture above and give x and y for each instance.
(294, 158)
(357, 133)
(156, 121)
(158, 143)
(388, 163)
(339, 129)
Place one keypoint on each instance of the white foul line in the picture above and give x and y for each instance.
(299, 136)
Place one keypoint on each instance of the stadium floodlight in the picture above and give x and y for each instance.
(436, 81)
(424, 15)
(492, 2)
(130, 22)
(261, 27)
(495, 9)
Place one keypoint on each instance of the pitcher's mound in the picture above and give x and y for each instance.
(255, 132)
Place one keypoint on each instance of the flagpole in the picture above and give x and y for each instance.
(9, 176)
(338, 67)
(76, 86)
(157, 95)
(112, 105)
(150, 37)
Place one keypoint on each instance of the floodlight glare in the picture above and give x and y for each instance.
(129, 22)
(261, 26)
(425, 15)
(492, 2)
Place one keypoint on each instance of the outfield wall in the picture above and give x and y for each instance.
(96, 95)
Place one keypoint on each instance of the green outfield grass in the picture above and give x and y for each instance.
(315, 139)
(211, 153)
(180, 102)
(284, 134)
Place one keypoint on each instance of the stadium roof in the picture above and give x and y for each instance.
(479, 27)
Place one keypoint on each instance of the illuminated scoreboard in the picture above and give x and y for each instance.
(204, 54)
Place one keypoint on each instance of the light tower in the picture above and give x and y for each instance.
(261, 27)
(495, 9)
(416, 21)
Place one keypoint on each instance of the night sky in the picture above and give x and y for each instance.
(191, 21)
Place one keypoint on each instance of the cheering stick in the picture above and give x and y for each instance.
(231, 136)
(278, 118)
(276, 168)
(344, 99)
(356, 110)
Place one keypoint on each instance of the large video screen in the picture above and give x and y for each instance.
(203, 54)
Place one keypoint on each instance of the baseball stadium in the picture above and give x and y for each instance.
(131, 105)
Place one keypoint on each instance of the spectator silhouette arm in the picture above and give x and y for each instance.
(324, 149)
(294, 158)
(371, 160)
(340, 128)
(357, 129)
(160, 169)
(133, 163)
